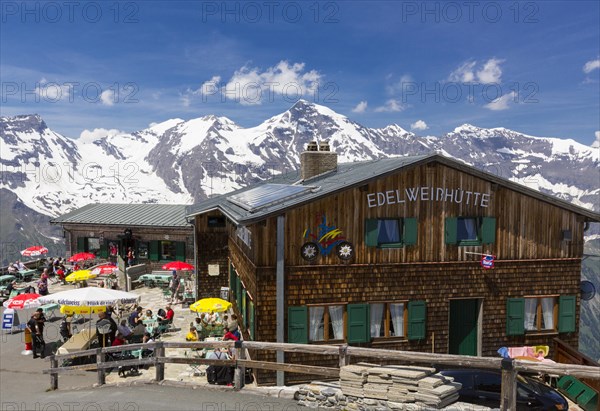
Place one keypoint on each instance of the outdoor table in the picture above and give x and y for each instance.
(50, 309)
(78, 342)
(150, 323)
(155, 278)
(25, 275)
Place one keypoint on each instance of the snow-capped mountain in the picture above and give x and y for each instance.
(179, 161)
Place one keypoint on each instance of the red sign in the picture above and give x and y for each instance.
(487, 261)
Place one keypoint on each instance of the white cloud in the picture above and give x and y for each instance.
(596, 144)
(390, 106)
(501, 103)
(360, 107)
(464, 73)
(209, 87)
(491, 72)
(419, 125)
(250, 86)
(107, 97)
(488, 72)
(400, 85)
(52, 92)
(88, 136)
(591, 66)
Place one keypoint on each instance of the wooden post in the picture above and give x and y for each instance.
(159, 353)
(344, 357)
(280, 291)
(509, 386)
(101, 371)
(54, 375)
(240, 370)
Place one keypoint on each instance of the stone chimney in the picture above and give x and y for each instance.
(317, 159)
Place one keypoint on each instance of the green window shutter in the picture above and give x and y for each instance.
(298, 325)
(410, 231)
(80, 244)
(371, 232)
(358, 323)
(232, 289)
(417, 320)
(238, 292)
(180, 251)
(104, 249)
(567, 306)
(154, 250)
(251, 319)
(450, 230)
(515, 316)
(488, 230)
(244, 308)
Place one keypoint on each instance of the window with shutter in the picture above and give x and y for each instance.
(450, 230)
(515, 316)
(80, 244)
(390, 232)
(298, 325)
(154, 250)
(180, 251)
(358, 330)
(417, 320)
(567, 306)
(251, 319)
(488, 230)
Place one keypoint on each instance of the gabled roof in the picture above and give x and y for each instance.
(350, 175)
(154, 215)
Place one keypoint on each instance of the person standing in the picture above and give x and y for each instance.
(36, 328)
(130, 257)
(174, 286)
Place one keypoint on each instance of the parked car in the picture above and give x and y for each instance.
(483, 387)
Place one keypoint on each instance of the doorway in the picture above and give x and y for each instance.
(464, 327)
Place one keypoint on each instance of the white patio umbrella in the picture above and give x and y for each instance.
(90, 296)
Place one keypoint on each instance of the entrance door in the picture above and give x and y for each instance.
(463, 322)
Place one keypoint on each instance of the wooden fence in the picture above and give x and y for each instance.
(510, 368)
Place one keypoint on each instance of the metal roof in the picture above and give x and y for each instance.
(350, 175)
(155, 215)
(266, 195)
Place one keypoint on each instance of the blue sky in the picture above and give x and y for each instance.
(431, 66)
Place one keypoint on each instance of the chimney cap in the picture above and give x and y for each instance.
(312, 146)
(324, 146)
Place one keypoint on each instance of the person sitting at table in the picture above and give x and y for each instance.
(232, 324)
(119, 340)
(124, 329)
(12, 269)
(228, 335)
(167, 314)
(192, 334)
(135, 317)
(10, 287)
(149, 315)
(20, 266)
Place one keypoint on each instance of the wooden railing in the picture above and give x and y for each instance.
(510, 368)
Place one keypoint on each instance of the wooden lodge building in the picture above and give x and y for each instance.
(157, 233)
(417, 253)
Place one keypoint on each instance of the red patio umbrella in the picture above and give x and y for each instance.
(178, 266)
(34, 251)
(81, 257)
(22, 301)
(104, 269)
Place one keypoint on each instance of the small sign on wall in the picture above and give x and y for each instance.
(213, 270)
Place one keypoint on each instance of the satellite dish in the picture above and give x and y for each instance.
(588, 290)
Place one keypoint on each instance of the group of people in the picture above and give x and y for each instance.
(208, 321)
(16, 266)
(35, 332)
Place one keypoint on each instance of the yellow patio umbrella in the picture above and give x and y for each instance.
(81, 275)
(82, 310)
(207, 305)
